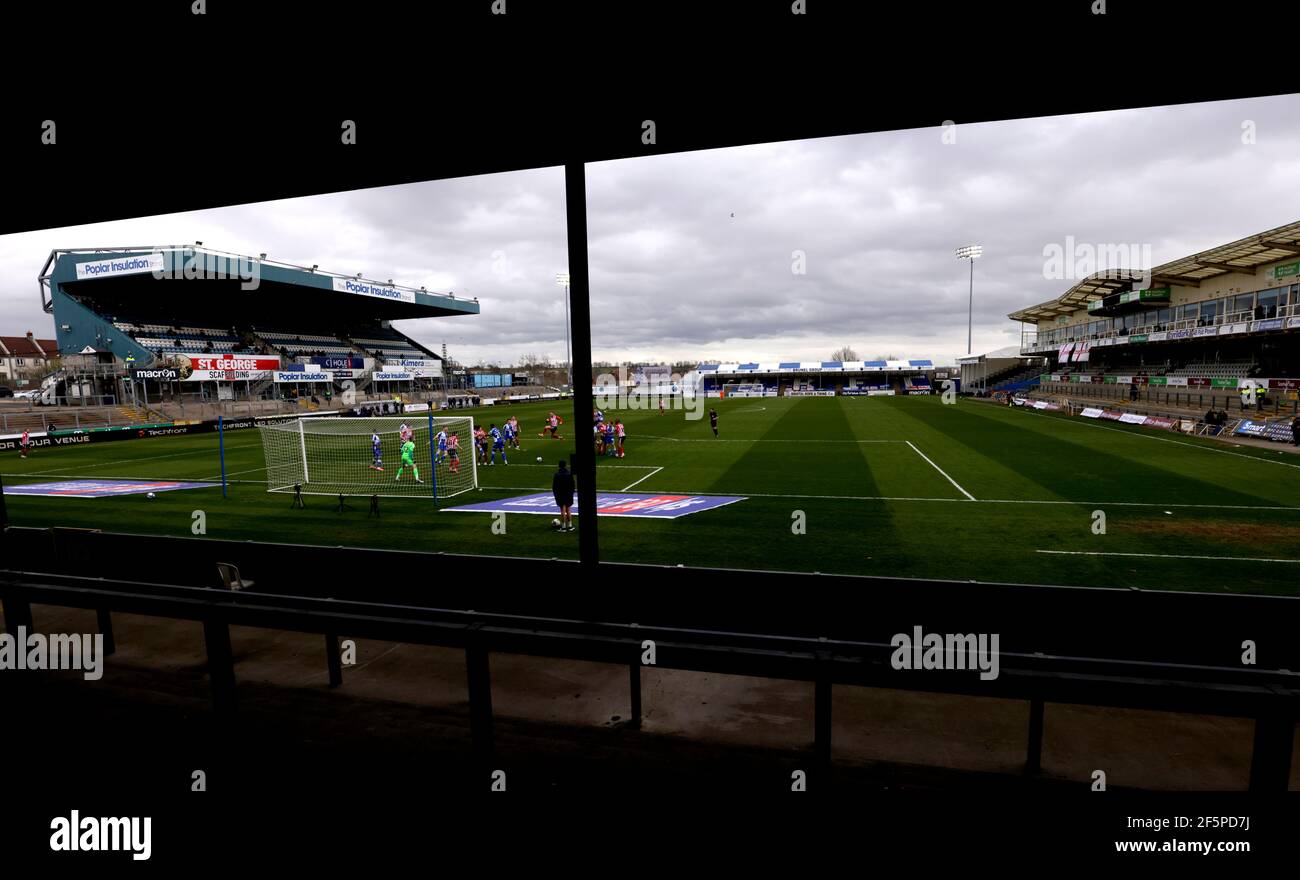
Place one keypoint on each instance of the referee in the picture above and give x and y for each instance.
(562, 487)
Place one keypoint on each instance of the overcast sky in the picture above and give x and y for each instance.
(676, 275)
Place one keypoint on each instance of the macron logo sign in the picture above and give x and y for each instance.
(365, 288)
(120, 266)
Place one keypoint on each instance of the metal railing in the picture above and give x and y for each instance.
(1077, 333)
(43, 418)
(195, 407)
(1142, 663)
(1190, 399)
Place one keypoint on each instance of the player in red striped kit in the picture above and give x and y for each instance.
(453, 453)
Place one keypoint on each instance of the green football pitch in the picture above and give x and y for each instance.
(896, 486)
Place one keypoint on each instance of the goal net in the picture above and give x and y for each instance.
(359, 456)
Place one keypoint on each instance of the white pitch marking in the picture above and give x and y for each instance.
(1134, 504)
(940, 470)
(752, 494)
(232, 473)
(1161, 504)
(49, 477)
(754, 440)
(1167, 556)
(642, 467)
(642, 480)
(124, 461)
(830, 497)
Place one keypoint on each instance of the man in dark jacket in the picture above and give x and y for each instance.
(563, 487)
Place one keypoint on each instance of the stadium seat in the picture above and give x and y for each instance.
(230, 578)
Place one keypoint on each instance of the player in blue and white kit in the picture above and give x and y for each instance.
(508, 430)
(441, 440)
(498, 442)
(376, 448)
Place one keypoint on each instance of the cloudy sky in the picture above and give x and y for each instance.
(697, 255)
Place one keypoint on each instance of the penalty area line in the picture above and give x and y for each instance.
(940, 470)
(120, 461)
(639, 467)
(642, 480)
(1167, 556)
(233, 473)
(752, 440)
(915, 498)
(49, 478)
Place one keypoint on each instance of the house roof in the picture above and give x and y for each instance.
(21, 346)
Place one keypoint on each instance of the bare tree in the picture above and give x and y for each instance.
(531, 363)
(844, 354)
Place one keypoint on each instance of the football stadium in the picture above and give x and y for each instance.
(939, 453)
(1141, 436)
(210, 451)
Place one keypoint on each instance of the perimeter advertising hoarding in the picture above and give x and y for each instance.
(302, 376)
(338, 362)
(367, 288)
(227, 368)
(165, 374)
(263, 363)
(142, 432)
(136, 264)
(1278, 431)
(423, 368)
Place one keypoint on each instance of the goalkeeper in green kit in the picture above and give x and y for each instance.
(408, 460)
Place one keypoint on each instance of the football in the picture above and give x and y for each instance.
(555, 523)
(539, 458)
(150, 495)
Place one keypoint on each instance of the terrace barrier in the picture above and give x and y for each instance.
(1089, 646)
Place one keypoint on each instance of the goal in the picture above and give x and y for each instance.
(335, 456)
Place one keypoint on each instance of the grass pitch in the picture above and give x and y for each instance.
(898, 486)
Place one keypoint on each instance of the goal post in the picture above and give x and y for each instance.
(337, 456)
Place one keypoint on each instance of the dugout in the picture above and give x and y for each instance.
(1004, 366)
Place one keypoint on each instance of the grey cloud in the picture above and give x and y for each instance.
(675, 275)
